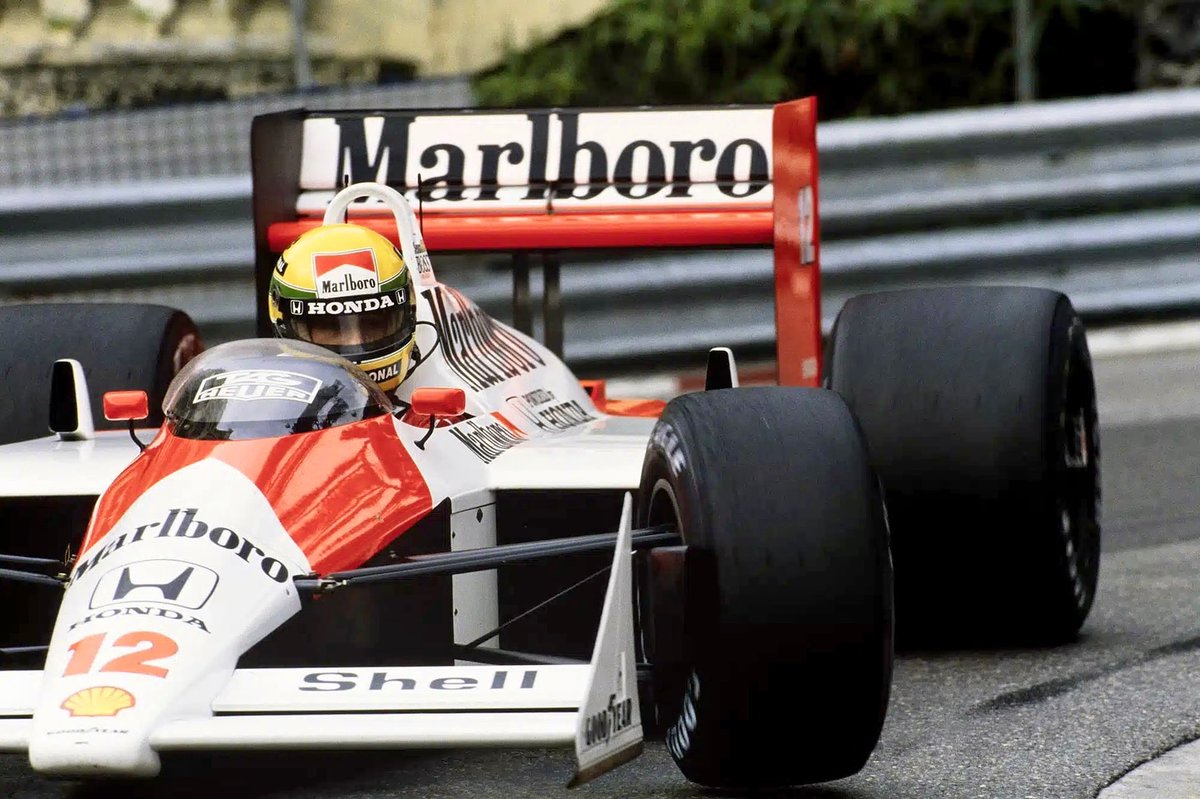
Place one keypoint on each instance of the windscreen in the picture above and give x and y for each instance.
(264, 388)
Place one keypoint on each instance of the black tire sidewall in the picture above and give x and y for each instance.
(120, 346)
(961, 394)
(1069, 573)
(777, 671)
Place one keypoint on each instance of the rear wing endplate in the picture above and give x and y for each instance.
(543, 181)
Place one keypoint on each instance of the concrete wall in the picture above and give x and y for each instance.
(59, 54)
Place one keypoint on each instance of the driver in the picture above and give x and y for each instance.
(347, 288)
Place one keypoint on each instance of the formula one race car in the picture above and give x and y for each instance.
(502, 555)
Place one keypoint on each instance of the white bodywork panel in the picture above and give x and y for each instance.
(476, 595)
(608, 454)
(411, 731)
(532, 424)
(345, 731)
(52, 467)
(155, 617)
(366, 689)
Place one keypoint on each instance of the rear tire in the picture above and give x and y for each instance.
(792, 665)
(979, 409)
(121, 346)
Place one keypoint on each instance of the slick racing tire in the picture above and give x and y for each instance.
(791, 666)
(121, 346)
(979, 408)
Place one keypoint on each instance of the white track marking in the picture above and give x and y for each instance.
(1174, 775)
(1134, 340)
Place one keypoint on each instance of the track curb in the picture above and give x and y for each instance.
(1174, 774)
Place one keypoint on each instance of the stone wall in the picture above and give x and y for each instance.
(1169, 43)
(64, 55)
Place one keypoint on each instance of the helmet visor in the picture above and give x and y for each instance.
(348, 328)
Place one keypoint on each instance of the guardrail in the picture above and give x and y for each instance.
(1099, 198)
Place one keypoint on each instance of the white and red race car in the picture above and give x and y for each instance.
(505, 556)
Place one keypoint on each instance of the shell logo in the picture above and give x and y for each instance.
(102, 700)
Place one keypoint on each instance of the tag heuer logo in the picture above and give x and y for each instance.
(258, 384)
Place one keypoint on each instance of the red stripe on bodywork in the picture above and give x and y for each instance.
(647, 408)
(342, 494)
(512, 428)
(564, 231)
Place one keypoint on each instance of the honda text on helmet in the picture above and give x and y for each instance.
(346, 288)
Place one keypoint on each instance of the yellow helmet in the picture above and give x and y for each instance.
(346, 288)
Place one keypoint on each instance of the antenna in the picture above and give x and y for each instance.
(345, 183)
(421, 205)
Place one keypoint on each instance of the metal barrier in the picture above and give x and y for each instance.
(1099, 198)
(187, 140)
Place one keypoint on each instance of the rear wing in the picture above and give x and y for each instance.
(543, 181)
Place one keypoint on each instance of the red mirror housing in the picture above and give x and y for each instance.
(126, 406)
(439, 401)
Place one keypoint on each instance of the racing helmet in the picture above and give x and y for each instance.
(347, 288)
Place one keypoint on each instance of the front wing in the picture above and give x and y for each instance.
(351, 708)
(593, 706)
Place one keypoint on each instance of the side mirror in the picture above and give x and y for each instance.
(126, 406)
(435, 402)
(439, 401)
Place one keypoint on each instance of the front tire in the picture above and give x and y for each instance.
(792, 668)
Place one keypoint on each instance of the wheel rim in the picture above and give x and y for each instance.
(676, 693)
(1078, 471)
(663, 508)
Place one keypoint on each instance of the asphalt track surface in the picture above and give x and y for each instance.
(1059, 722)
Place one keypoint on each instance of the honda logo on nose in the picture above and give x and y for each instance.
(171, 582)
